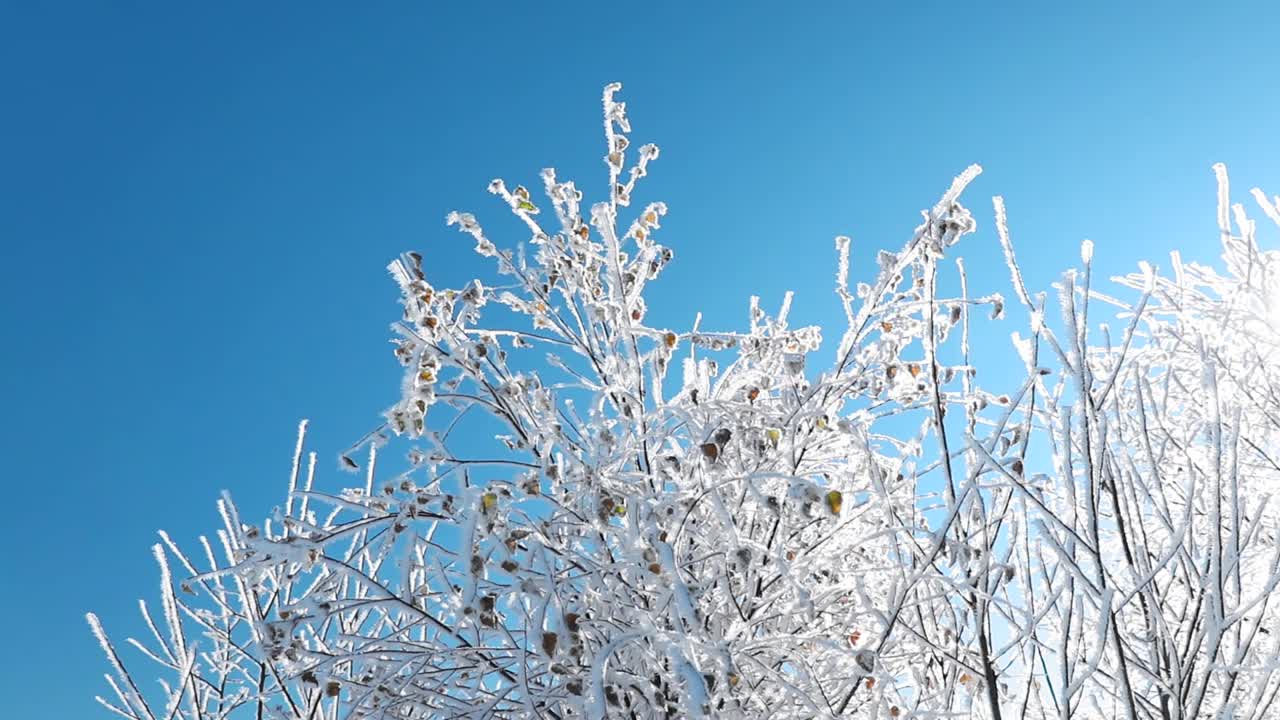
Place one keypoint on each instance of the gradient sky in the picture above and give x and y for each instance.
(197, 201)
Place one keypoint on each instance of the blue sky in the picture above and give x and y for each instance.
(197, 203)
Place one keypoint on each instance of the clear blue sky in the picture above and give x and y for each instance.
(197, 201)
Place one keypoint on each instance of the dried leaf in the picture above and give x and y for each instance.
(835, 500)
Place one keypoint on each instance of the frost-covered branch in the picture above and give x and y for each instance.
(600, 516)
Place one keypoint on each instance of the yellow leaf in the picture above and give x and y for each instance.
(834, 501)
(490, 501)
(774, 435)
